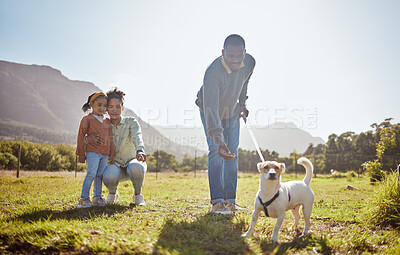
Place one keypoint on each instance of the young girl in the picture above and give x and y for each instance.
(96, 156)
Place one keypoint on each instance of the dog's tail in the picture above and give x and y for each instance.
(309, 169)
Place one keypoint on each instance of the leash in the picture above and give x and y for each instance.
(248, 126)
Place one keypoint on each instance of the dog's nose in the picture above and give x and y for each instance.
(272, 175)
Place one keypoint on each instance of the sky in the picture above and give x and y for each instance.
(327, 66)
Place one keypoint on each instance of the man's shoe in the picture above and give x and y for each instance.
(235, 207)
(112, 198)
(220, 208)
(139, 200)
(99, 201)
(84, 202)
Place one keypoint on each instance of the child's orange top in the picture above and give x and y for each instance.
(90, 125)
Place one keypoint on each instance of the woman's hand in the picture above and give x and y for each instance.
(94, 139)
(141, 156)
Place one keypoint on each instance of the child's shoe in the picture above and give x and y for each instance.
(84, 202)
(99, 201)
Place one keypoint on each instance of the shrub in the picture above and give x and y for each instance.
(8, 161)
(386, 212)
(373, 169)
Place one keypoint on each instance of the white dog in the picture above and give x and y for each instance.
(275, 198)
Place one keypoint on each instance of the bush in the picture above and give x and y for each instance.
(8, 161)
(36, 156)
(374, 170)
(386, 212)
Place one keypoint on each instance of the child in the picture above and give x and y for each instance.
(96, 156)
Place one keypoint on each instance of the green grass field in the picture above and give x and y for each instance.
(38, 215)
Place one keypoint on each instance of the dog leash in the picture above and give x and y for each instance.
(248, 126)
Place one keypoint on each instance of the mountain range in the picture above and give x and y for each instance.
(42, 98)
(282, 137)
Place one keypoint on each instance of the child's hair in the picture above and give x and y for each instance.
(117, 94)
(91, 99)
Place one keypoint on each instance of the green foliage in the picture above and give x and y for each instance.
(248, 159)
(387, 141)
(373, 169)
(386, 211)
(189, 164)
(348, 151)
(162, 161)
(36, 156)
(8, 161)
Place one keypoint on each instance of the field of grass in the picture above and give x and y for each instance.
(38, 215)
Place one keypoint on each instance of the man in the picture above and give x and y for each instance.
(222, 100)
(130, 158)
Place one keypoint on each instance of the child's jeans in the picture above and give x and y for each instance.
(96, 163)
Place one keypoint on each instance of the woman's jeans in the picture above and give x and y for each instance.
(222, 174)
(135, 172)
(96, 163)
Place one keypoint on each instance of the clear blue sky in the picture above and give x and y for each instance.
(328, 66)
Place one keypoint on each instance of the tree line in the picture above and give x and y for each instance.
(348, 151)
(61, 157)
(345, 152)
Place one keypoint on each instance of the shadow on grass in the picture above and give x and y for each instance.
(310, 242)
(207, 234)
(73, 213)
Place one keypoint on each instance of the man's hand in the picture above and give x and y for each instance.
(223, 150)
(141, 156)
(243, 111)
(94, 139)
(111, 159)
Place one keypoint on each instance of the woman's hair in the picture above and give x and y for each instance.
(117, 94)
(91, 99)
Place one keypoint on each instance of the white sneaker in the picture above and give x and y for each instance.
(112, 198)
(84, 202)
(220, 208)
(139, 200)
(99, 201)
(235, 207)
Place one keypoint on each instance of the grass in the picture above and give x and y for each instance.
(38, 215)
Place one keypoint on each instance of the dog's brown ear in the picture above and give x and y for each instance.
(259, 166)
(282, 166)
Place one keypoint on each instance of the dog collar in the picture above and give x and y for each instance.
(266, 204)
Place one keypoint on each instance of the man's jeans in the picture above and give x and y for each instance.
(96, 163)
(222, 174)
(135, 172)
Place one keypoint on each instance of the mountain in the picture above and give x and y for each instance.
(280, 137)
(34, 97)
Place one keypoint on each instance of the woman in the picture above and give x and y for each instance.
(130, 158)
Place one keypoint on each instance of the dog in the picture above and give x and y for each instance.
(275, 197)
